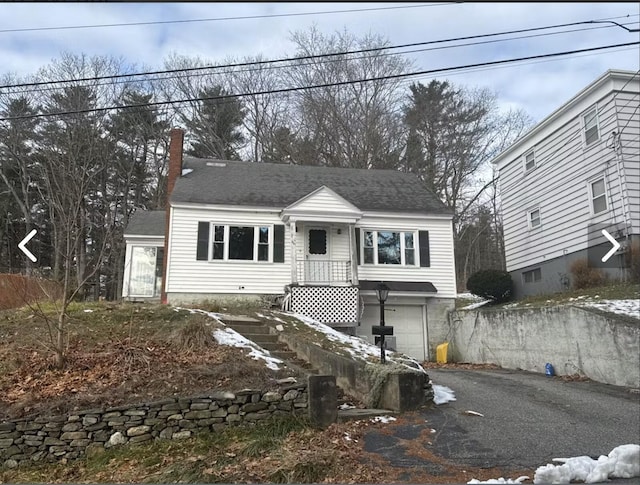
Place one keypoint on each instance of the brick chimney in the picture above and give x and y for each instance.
(176, 139)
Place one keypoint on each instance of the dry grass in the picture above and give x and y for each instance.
(584, 276)
(117, 354)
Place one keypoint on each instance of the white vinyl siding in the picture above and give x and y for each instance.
(629, 124)
(559, 185)
(441, 271)
(187, 275)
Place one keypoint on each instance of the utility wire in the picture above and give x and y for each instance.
(302, 58)
(324, 61)
(317, 86)
(220, 19)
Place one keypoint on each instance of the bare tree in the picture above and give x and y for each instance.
(354, 125)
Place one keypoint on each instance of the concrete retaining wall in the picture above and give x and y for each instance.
(53, 438)
(397, 388)
(598, 345)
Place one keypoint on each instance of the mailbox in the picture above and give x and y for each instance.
(382, 330)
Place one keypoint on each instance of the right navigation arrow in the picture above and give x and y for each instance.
(612, 240)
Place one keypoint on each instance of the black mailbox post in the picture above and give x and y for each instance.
(382, 329)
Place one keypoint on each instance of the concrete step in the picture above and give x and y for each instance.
(249, 329)
(284, 354)
(353, 414)
(273, 346)
(261, 338)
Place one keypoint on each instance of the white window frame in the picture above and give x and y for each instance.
(403, 263)
(533, 272)
(524, 160)
(583, 126)
(256, 239)
(529, 222)
(592, 197)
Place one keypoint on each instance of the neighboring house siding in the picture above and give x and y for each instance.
(441, 271)
(187, 275)
(629, 124)
(558, 187)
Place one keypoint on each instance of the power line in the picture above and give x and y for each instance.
(325, 61)
(220, 19)
(308, 57)
(325, 85)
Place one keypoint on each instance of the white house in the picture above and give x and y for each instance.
(321, 238)
(573, 174)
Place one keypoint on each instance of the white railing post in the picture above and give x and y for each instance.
(294, 252)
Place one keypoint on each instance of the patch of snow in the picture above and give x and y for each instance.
(87, 310)
(228, 336)
(442, 394)
(383, 419)
(468, 296)
(622, 462)
(475, 305)
(500, 480)
(630, 308)
(186, 171)
(347, 437)
(357, 346)
(346, 406)
(260, 315)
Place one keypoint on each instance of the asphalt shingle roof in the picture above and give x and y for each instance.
(280, 185)
(146, 223)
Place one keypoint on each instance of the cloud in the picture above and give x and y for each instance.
(538, 87)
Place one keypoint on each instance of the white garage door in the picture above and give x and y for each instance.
(408, 327)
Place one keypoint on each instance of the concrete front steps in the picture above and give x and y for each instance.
(258, 332)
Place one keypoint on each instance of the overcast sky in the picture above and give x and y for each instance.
(537, 87)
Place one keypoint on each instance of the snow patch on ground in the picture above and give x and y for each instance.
(383, 419)
(228, 336)
(622, 462)
(442, 394)
(630, 308)
(500, 480)
(468, 296)
(475, 305)
(88, 310)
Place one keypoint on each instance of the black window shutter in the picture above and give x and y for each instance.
(358, 244)
(423, 241)
(202, 250)
(278, 243)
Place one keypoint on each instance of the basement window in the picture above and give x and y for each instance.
(532, 276)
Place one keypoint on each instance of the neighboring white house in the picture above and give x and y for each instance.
(574, 173)
(320, 238)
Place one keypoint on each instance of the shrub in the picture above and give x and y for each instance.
(492, 284)
(585, 276)
(633, 262)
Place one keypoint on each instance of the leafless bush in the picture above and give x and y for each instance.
(585, 276)
(633, 262)
(194, 335)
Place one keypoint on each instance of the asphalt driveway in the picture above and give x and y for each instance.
(528, 419)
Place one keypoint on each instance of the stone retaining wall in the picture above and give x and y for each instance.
(53, 438)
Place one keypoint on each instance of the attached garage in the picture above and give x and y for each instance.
(408, 323)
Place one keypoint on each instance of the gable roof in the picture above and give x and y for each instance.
(146, 223)
(280, 185)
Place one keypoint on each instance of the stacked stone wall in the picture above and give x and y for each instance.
(51, 438)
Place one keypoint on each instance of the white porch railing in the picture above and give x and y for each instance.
(328, 272)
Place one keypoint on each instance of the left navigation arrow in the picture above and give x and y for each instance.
(24, 242)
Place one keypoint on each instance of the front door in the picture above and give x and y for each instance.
(317, 267)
